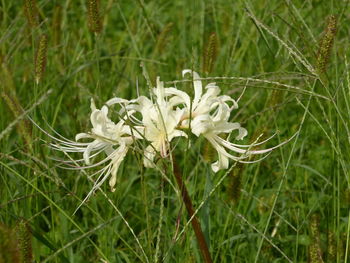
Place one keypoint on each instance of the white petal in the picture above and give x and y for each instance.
(116, 100)
(148, 158)
(180, 97)
(113, 180)
(94, 146)
(104, 110)
(221, 150)
(97, 118)
(82, 136)
(200, 125)
(225, 98)
(92, 105)
(242, 132)
(220, 164)
(197, 83)
(177, 133)
(226, 127)
(118, 157)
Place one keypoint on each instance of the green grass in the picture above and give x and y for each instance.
(267, 218)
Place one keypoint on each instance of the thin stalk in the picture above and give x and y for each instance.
(190, 210)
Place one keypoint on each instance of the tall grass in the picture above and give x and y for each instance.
(264, 212)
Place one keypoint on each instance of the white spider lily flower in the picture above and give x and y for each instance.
(208, 115)
(213, 126)
(111, 138)
(222, 146)
(202, 103)
(160, 129)
(160, 121)
(167, 114)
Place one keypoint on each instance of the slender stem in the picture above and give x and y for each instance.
(195, 222)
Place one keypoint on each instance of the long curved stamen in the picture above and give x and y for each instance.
(253, 144)
(96, 185)
(233, 148)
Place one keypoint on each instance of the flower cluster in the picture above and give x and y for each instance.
(168, 113)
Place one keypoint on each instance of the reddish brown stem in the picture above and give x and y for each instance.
(195, 222)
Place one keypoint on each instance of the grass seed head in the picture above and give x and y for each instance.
(41, 57)
(326, 44)
(276, 98)
(208, 152)
(24, 238)
(9, 95)
(332, 247)
(94, 19)
(210, 53)
(314, 226)
(8, 246)
(31, 12)
(315, 252)
(57, 24)
(163, 37)
(236, 182)
(315, 255)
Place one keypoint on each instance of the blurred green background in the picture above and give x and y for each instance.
(291, 207)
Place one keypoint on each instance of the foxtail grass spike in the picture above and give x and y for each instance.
(326, 44)
(94, 18)
(343, 244)
(31, 12)
(315, 252)
(331, 248)
(346, 196)
(208, 152)
(210, 53)
(236, 183)
(40, 58)
(314, 226)
(276, 98)
(8, 94)
(8, 246)
(163, 37)
(56, 24)
(315, 255)
(24, 238)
